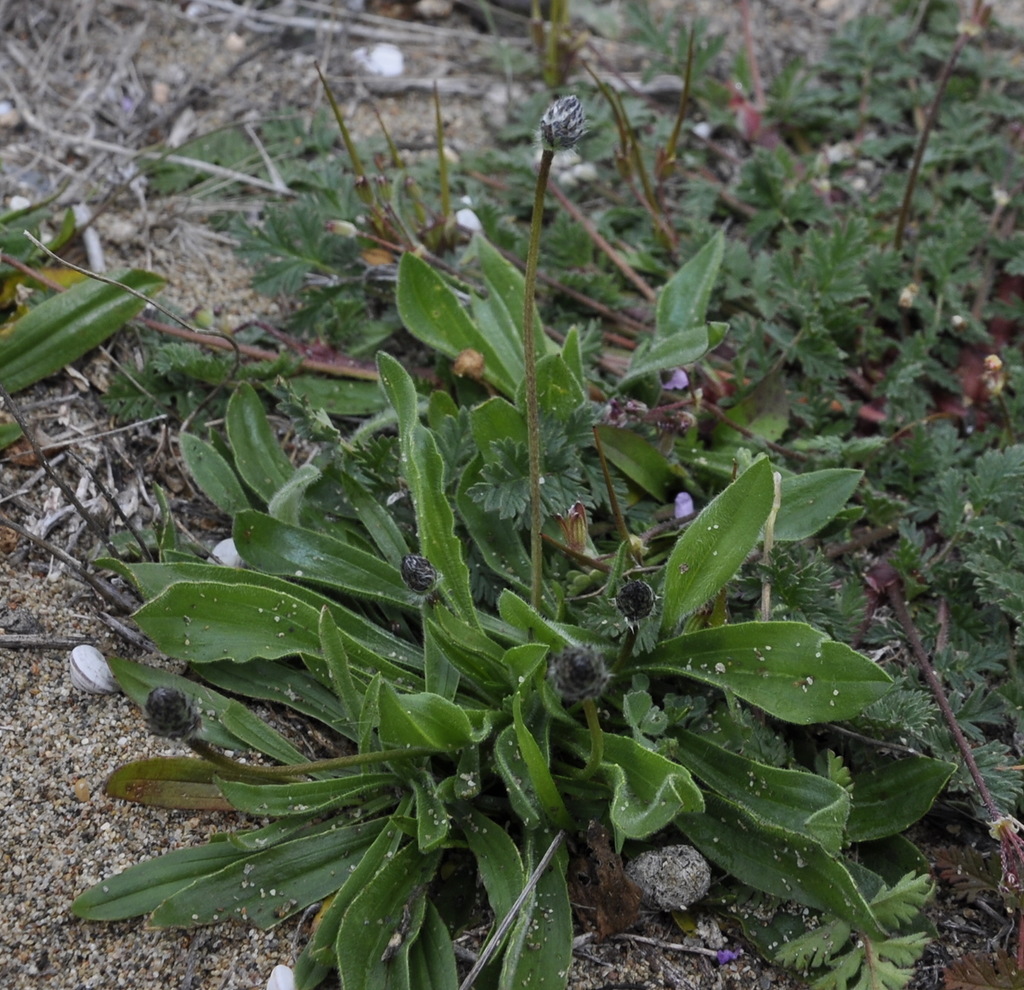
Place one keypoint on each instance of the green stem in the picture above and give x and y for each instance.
(596, 739)
(530, 363)
(289, 772)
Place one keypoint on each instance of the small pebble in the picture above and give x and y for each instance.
(672, 878)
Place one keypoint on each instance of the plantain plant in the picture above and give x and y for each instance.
(477, 705)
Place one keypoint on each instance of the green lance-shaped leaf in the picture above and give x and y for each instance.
(892, 797)
(432, 312)
(423, 469)
(288, 686)
(64, 327)
(506, 283)
(266, 887)
(211, 869)
(790, 670)
(322, 943)
(258, 455)
(213, 474)
(226, 722)
(140, 889)
(431, 956)
(422, 720)
(811, 500)
(236, 615)
(681, 334)
(777, 862)
(498, 862)
(304, 798)
(648, 791)
(515, 774)
(646, 466)
(793, 800)
(539, 950)
(537, 767)
(169, 782)
(278, 547)
(398, 889)
(715, 544)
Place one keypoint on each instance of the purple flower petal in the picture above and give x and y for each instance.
(684, 505)
(677, 381)
(726, 956)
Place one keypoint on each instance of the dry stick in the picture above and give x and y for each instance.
(506, 922)
(966, 33)
(91, 521)
(19, 641)
(899, 605)
(340, 366)
(163, 309)
(102, 588)
(750, 435)
(616, 259)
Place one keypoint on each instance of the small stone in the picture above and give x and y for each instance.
(672, 878)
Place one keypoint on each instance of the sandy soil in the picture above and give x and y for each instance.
(83, 87)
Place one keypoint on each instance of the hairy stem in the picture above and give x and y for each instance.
(596, 739)
(532, 399)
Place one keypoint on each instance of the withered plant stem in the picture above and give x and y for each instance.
(924, 664)
(959, 45)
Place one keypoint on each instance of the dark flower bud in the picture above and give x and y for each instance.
(170, 713)
(418, 573)
(563, 124)
(578, 673)
(635, 600)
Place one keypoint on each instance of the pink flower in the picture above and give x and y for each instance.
(677, 381)
(684, 505)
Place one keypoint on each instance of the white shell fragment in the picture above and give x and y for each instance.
(381, 60)
(226, 553)
(672, 878)
(281, 978)
(468, 220)
(90, 672)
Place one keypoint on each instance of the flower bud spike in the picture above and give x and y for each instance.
(578, 673)
(171, 714)
(635, 601)
(418, 573)
(563, 124)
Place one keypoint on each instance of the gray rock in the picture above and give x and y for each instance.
(672, 878)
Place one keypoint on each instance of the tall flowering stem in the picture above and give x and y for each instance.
(561, 128)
